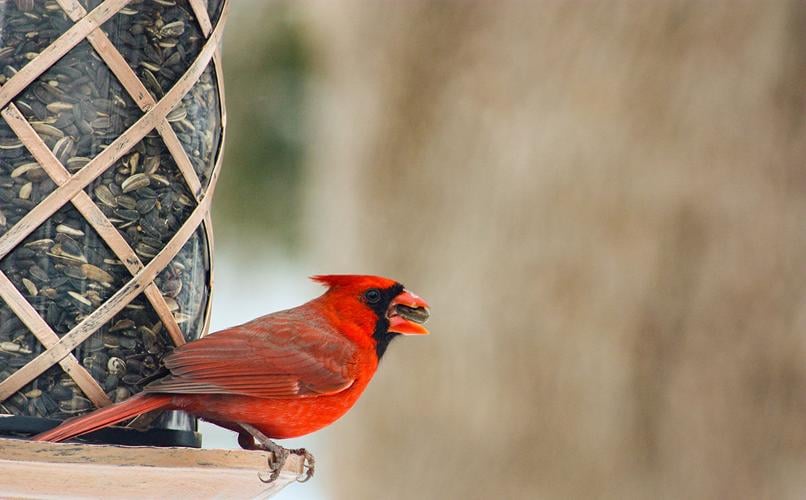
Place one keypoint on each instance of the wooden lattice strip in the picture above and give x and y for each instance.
(56, 50)
(48, 338)
(94, 216)
(181, 158)
(73, 8)
(202, 16)
(208, 222)
(110, 308)
(115, 150)
(200, 10)
(207, 227)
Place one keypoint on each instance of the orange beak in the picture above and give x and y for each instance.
(407, 313)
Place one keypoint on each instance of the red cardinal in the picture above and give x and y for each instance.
(282, 375)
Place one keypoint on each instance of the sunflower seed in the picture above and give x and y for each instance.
(70, 231)
(30, 287)
(79, 298)
(95, 273)
(134, 182)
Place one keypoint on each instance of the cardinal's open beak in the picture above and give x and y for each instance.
(407, 313)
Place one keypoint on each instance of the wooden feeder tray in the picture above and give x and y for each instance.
(61, 470)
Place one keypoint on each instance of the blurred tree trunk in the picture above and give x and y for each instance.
(605, 204)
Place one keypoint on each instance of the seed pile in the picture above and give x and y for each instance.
(160, 39)
(187, 303)
(144, 196)
(199, 129)
(120, 356)
(23, 183)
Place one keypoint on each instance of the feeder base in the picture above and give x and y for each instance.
(20, 426)
(59, 470)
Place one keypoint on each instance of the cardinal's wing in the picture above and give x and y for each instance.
(276, 357)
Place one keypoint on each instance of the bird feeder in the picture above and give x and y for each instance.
(111, 128)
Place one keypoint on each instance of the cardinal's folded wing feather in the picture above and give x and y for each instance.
(274, 357)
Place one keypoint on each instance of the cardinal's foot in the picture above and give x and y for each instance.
(276, 461)
(278, 454)
(308, 463)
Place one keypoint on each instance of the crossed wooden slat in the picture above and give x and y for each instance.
(71, 188)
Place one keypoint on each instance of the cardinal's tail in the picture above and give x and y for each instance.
(104, 417)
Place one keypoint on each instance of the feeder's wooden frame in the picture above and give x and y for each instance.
(70, 188)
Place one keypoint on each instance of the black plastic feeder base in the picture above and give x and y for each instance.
(17, 426)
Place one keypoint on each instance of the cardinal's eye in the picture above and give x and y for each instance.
(372, 296)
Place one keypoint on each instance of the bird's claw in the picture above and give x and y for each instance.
(276, 462)
(279, 455)
(308, 464)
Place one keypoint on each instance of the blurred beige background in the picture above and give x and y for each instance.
(602, 201)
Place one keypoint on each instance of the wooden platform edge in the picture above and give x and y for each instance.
(61, 470)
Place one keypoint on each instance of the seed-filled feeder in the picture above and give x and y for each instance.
(111, 131)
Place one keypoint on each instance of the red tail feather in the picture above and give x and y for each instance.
(104, 417)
